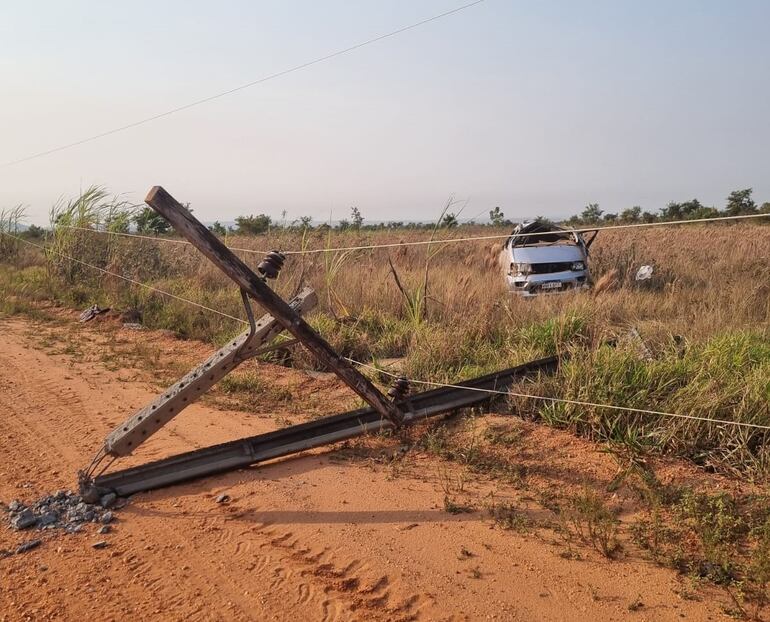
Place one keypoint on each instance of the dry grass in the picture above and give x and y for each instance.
(707, 278)
(698, 345)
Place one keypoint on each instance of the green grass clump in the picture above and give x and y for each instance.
(10, 221)
(720, 527)
(588, 517)
(554, 335)
(252, 390)
(507, 516)
(720, 537)
(726, 378)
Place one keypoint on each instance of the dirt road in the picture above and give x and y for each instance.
(309, 538)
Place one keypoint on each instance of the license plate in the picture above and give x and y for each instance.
(552, 285)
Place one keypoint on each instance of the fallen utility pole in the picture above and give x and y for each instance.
(249, 451)
(206, 242)
(382, 412)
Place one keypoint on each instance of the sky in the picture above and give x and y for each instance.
(539, 108)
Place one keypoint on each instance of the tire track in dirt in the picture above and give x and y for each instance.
(310, 579)
(328, 571)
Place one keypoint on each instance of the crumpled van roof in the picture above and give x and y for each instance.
(547, 232)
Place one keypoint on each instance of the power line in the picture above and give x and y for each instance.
(151, 237)
(566, 401)
(244, 86)
(420, 382)
(500, 237)
(48, 249)
(440, 241)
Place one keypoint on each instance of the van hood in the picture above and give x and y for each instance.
(547, 254)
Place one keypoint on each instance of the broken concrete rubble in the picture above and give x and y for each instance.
(62, 510)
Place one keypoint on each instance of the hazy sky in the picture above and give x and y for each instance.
(537, 107)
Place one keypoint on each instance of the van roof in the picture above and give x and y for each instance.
(547, 233)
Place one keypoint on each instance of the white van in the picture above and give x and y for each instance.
(540, 257)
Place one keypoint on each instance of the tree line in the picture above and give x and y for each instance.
(147, 222)
(738, 203)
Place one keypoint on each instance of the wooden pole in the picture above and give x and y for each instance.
(207, 243)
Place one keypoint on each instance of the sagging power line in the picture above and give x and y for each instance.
(48, 249)
(434, 241)
(560, 400)
(241, 87)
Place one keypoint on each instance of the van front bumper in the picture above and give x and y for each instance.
(558, 283)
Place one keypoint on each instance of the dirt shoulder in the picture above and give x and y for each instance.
(322, 536)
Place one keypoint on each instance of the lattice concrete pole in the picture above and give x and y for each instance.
(206, 242)
(139, 427)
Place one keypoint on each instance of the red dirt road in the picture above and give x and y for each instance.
(308, 538)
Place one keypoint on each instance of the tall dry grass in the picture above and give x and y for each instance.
(10, 223)
(703, 319)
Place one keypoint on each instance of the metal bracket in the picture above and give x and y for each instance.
(143, 424)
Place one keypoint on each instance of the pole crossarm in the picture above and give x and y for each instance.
(221, 256)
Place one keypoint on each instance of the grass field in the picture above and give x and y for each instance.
(692, 340)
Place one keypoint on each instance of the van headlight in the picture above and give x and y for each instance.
(521, 269)
(579, 265)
